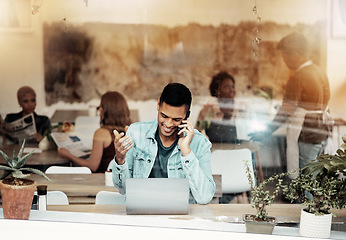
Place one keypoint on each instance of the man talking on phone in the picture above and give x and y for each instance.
(167, 147)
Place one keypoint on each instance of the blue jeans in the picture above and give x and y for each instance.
(309, 152)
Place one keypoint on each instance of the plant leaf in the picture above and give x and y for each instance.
(14, 157)
(6, 168)
(36, 171)
(8, 160)
(22, 161)
(21, 150)
(19, 174)
(5, 174)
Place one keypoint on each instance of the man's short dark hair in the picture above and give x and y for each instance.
(176, 95)
(294, 42)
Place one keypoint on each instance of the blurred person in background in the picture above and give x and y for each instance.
(26, 97)
(222, 87)
(305, 104)
(114, 115)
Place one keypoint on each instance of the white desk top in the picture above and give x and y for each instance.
(56, 225)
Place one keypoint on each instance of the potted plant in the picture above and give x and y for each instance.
(260, 199)
(16, 190)
(320, 186)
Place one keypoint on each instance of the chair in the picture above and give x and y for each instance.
(106, 197)
(57, 198)
(230, 164)
(85, 127)
(67, 170)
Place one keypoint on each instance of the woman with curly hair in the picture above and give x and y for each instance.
(222, 86)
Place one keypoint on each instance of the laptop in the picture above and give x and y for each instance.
(220, 132)
(157, 196)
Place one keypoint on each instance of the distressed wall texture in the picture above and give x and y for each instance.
(86, 60)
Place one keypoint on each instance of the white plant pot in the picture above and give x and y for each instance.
(45, 144)
(315, 226)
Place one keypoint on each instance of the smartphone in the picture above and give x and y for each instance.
(186, 117)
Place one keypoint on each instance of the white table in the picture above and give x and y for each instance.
(69, 225)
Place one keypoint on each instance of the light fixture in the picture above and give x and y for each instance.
(35, 6)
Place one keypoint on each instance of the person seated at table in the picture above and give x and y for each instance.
(167, 147)
(222, 87)
(217, 117)
(26, 97)
(114, 114)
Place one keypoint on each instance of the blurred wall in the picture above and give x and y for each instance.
(21, 51)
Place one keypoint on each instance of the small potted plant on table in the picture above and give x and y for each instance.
(320, 186)
(260, 199)
(16, 190)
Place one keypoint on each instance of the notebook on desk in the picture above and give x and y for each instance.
(153, 196)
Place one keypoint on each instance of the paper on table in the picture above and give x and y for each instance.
(30, 149)
(72, 142)
(23, 128)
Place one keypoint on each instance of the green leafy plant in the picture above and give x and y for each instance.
(48, 132)
(15, 167)
(261, 198)
(321, 184)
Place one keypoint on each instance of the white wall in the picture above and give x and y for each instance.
(21, 63)
(21, 53)
(336, 52)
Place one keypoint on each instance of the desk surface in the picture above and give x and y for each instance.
(253, 146)
(79, 186)
(203, 222)
(46, 158)
(88, 185)
(75, 184)
(217, 212)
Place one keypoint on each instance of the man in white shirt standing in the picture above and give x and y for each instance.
(305, 102)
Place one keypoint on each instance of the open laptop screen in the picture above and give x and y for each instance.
(169, 196)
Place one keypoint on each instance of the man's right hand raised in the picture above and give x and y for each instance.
(122, 145)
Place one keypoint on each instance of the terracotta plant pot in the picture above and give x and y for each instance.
(17, 200)
(315, 226)
(261, 227)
